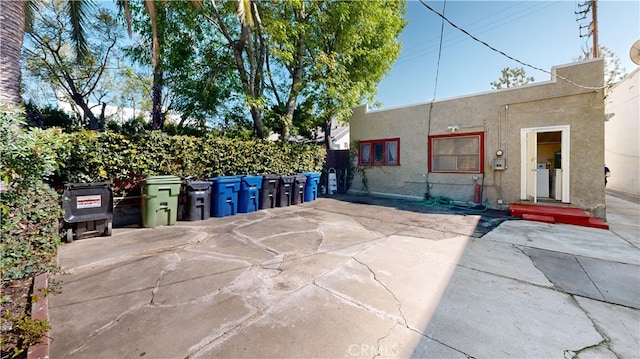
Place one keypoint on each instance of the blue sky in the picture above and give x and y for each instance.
(540, 33)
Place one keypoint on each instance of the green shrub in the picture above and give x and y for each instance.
(29, 208)
(30, 211)
(126, 160)
(30, 232)
(25, 332)
(48, 117)
(28, 155)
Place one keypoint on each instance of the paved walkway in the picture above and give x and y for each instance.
(353, 277)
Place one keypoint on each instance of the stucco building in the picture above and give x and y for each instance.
(538, 143)
(622, 135)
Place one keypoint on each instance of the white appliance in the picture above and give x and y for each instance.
(558, 185)
(542, 181)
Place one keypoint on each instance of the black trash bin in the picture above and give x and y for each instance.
(297, 189)
(285, 186)
(197, 204)
(87, 207)
(269, 191)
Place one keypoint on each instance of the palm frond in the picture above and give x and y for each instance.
(244, 12)
(123, 6)
(30, 10)
(150, 6)
(79, 11)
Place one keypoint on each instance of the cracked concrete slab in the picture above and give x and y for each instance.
(355, 283)
(310, 322)
(565, 271)
(599, 352)
(619, 283)
(336, 278)
(517, 325)
(593, 278)
(502, 259)
(619, 325)
(419, 289)
(127, 243)
(151, 325)
(84, 307)
(231, 246)
(623, 216)
(565, 238)
(193, 279)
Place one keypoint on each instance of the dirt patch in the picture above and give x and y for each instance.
(16, 302)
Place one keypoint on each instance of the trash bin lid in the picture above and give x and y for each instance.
(287, 179)
(225, 179)
(251, 182)
(198, 185)
(88, 185)
(168, 179)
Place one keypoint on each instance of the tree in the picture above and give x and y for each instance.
(613, 70)
(134, 89)
(512, 78)
(289, 27)
(11, 33)
(17, 16)
(279, 55)
(197, 91)
(240, 24)
(352, 49)
(329, 53)
(50, 56)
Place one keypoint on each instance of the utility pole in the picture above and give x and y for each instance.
(594, 24)
(581, 14)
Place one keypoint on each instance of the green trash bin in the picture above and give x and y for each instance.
(160, 200)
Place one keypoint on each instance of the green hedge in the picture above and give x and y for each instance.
(33, 159)
(30, 212)
(95, 157)
(30, 232)
(30, 209)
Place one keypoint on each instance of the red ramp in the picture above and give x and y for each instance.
(549, 214)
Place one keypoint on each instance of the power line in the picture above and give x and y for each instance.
(507, 56)
(435, 88)
(417, 52)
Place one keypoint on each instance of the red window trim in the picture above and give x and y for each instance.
(372, 144)
(467, 134)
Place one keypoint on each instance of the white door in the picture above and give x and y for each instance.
(529, 154)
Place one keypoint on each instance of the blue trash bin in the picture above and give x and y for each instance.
(224, 201)
(249, 196)
(311, 187)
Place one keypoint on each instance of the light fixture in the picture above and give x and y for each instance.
(608, 116)
(453, 128)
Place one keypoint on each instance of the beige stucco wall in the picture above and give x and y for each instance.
(500, 115)
(622, 139)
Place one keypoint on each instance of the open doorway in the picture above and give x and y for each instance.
(545, 164)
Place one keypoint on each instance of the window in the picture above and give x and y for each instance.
(457, 153)
(379, 152)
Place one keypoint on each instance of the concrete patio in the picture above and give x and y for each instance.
(353, 277)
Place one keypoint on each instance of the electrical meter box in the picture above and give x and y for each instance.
(499, 164)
